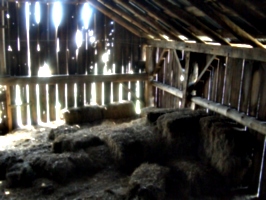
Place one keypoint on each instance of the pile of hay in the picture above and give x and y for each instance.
(118, 110)
(153, 114)
(193, 178)
(148, 181)
(74, 142)
(64, 129)
(134, 145)
(83, 114)
(180, 129)
(226, 148)
(92, 113)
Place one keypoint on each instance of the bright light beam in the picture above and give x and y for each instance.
(57, 13)
(86, 15)
(37, 12)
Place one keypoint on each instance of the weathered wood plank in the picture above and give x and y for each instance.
(72, 79)
(33, 104)
(234, 52)
(186, 79)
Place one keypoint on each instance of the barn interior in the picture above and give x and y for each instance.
(127, 99)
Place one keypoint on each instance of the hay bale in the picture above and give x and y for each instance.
(7, 159)
(20, 175)
(84, 114)
(153, 114)
(191, 178)
(63, 167)
(225, 148)
(64, 129)
(75, 142)
(131, 146)
(148, 181)
(180, 129)
(117, 110)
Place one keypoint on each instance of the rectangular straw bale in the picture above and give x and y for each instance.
(148, 181)
(131, 146)
(75, 142)
(181, 131)
(227, 149)
(192, 178)
(83, 114)
(119, 110)
(154, 114)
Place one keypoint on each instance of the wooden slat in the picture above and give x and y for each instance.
(256, 85)
(61, 95)
(33, 104)
(2, 43)
(88, 93)
(70, 95)
(235, 81)
(52, 103)
(115, 91)
(9, 109)
(234, 52)
(72, 79)
(246, 86)
(186, 79)
(43, 103)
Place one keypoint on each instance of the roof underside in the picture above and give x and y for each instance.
(222, 22)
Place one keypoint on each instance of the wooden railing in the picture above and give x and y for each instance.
(34, 100)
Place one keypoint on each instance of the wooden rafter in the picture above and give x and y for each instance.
(249, 11)
(130, 19)
(159, 17)
(148, 20)
(187, 18)
(117, 19)
(226, 22)
(231, 12)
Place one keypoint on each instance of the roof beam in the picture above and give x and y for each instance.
(226, 22)
(248, 10)
(187, 18)
(130, 19)
(117, 19)
(233, 52)
(159, 17)
(148, 20)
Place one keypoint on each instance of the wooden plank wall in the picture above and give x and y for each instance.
(30, 48)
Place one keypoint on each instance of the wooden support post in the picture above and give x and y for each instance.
(33, 104)
(2, 41)
(150, 63)
(52, 103)
(9, 108)
(70, 95)
(186, 79)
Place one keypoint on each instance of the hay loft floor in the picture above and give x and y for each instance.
(168, 154)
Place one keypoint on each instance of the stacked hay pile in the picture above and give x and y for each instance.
(193, 178)
(181, 131)
(226, 148)
(175, 153)
(148, 181)
(131, 146)
(92, 113)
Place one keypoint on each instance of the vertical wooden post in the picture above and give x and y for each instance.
(9, 109)
(2, 42)
(186, 79)
(33, 104)
(149, 67)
